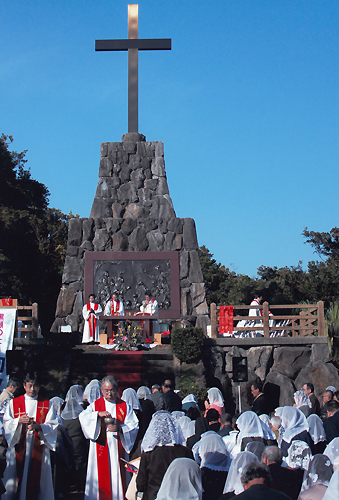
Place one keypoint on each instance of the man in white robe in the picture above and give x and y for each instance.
(30, 425)
(114, 307)
(150, 306)
(91, 312)
(106, 475)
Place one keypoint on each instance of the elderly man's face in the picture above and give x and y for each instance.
(254, 392)
(305, 389)
(114, 297)
(109, 391)
(326, 397)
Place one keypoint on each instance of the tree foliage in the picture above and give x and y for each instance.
(33, 237)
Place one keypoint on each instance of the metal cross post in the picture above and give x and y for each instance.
(133, 44)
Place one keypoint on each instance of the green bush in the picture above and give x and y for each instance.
(188, 386)
(187, 344)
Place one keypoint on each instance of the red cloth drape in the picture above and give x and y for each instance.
(225, 319)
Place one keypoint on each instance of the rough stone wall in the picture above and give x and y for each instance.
(282, 370)
(132, 211)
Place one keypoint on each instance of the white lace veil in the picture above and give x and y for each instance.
(233, 481)
(73, 408)
(316, 427)
(163, 430)
(178, 414)
(265, 418)
(319, 471)
(130, 397)
(187, 426)
(293, 421)
(333, 487)
(332, 452)
(249, 425)
(182, 481)
(299, 455)
(144, 392)
(213, 452)
(190, 398)
(215, 397)
(302, 399)
(256, 447)
(92, 391)
(57, 403)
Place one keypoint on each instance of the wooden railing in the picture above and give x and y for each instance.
(309, 321)
(30, 319)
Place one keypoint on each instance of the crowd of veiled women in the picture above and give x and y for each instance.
(185, 455)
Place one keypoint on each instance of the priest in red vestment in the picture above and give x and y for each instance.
(112, 426)
(30, 425)
(91, 313)
(114, 307)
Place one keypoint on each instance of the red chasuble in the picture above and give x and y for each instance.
(92, 320)
(33, 481)
(115, 308)
(103, 460)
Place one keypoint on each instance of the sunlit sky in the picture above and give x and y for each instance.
(246, 103)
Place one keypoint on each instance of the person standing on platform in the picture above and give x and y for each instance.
(111, 426)
(114, 307)
(150, 306)
(91, 312)
(259, 401)
(309, 389)
(30, 424)
(168, 400)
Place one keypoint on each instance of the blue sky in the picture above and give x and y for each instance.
(246, 103)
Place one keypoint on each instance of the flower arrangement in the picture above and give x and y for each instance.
(128, 336)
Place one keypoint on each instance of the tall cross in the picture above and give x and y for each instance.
(133, 44)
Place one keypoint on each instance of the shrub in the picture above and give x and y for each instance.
(188, 386)
(187, 344)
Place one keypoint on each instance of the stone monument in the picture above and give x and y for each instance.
(132, 212)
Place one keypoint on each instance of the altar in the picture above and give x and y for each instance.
(146, 319)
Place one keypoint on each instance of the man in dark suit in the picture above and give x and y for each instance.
(168, 400)
(286, 480)
(331, 423)
(255, 478)
(309, 389)
(226, 424)
(259, 401)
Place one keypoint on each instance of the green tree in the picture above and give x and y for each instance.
(33, 237)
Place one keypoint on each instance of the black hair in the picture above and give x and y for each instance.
(32, 377)
(310, 387)
(331, 406)
(193, 413)
(212, 415)
(91, 295)
(257, 384)
(226, 418)
(256, 470)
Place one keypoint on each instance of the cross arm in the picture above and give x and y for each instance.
(134, 43)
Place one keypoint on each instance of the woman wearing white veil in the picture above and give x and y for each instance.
(182, 481)
(303, 402)
(317, 432)
(316, 478)
(215, 400)
(92, 391)
(296, 428)
(299, 455)
(332, 452)
(233, 481)
(214, 465)
(251, 429)
(333, 487)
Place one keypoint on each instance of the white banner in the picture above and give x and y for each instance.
(7, 327)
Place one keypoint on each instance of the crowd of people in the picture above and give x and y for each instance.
(150, 443)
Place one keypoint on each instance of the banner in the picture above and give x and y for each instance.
(7, 327)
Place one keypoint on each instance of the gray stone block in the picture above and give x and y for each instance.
(137, 240)
(117, 168)
(185, 283)
(127, 193)
(65, 302)
(115, 182)
(151, 184)
(145, 197)
(169, 238)
(290, 360)
(73, 321)
(103, 190)
(117, 210)
(190, 234)
(195, 273)
(114, 147)
(163, 226)
(155, 240)
(162, 208)
(134, 162)
(122, 156)
(135, 211)
(87, 229)
(101, 208)
(101, 241)
(128, 226)
(72, 251)
(119, 242)
(78, 305)
(74, 231)
(130, 147)
(177, 243)
(258, 359)
(103, 149)
(125, 173)
(159, 148)
(184, 263)
(141, 149)
(158, 167)
(320, 374)
(148, 173)
(137, 178)
(185, 302)
(150, 149)
(99, 223)
(113, 225)
(162, 187)
(87, 246)
(197, 291)
(285, 387)
(106, 167)
(175, 225)
(146, 165)
(149, 224)
(133, 137)
(320, 352)
(72, 270)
